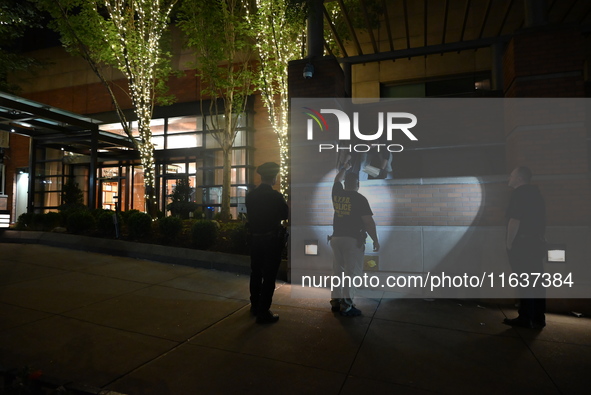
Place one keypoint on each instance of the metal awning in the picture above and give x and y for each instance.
(56, 128)
(375, 30)
(53, 127)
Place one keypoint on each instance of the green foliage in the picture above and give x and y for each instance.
(24, 221)
(358, 17)
(127, 35)
(38, 221)
(204, 234)
(198, 214)
(139, 225)
(180, 205)
(15, 17)
(51, 220)
(80, 221)
(126, 214)
(220, 218)
(277, 27)
(170, 228)
(218, 32)
(105, 224)
(233, 238)
(72, 195)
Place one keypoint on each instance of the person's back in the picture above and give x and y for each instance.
(352, 219)
(527, 205)
(349, 208)
(265, 208)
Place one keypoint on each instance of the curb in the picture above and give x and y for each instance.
(153, 252)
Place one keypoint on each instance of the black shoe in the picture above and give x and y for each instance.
(335, 305)
(538, 324)
(519, 321)
(267, 318)
(524, 323)
(253, 310)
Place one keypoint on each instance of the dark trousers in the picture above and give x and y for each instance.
(526, 256)
(265, 258)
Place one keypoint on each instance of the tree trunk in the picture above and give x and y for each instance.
(226, 184)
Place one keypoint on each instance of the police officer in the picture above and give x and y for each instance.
(266, 208)
(526, 225)
(353, 219)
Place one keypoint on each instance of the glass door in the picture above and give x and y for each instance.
(109, 192)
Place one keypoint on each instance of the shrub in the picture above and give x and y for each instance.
(233, 238)
(38, 221)
(51, 220)
(204, 233)
(72, 196)
(170, 227)
(198, 214)
(181, 205)
(139, 225)
(239, 239)
(126, 214)
(105, 224)
(80, 221)
(218, 217)
(24, 221)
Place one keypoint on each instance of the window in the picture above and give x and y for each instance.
(113, 128)
(185, 147)
(449, 86)
(185, 124)
(2, 177)
(190, 140)
(447, 160)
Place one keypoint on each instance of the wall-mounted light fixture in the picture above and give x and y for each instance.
(311, 247)
(4, 219)
(308, 70)
(557, 253)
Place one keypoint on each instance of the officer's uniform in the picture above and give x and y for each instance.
(266, 208)
(526, 255)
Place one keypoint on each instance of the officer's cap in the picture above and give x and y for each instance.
(269, 169)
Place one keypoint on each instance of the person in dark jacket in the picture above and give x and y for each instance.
(526, 226)
(352, 221)
(266, 208)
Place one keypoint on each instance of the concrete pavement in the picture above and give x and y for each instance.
(133, 326)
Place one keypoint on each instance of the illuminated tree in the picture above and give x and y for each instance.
(217, 31)
(277, 27)
(16, 16)
(127, 35)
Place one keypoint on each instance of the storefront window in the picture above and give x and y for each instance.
(202, 166)
(113, 128)
(191, 140)
(2, 179)
(184, 124)
(176, 168)
(158, 142)
(138, 201)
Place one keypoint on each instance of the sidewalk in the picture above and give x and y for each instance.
(140, 327)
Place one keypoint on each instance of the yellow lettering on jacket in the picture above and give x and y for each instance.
(342, 205)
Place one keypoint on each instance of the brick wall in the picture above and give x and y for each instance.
(545, 62)
(409, 203)
(549, 62)
(469, 203)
